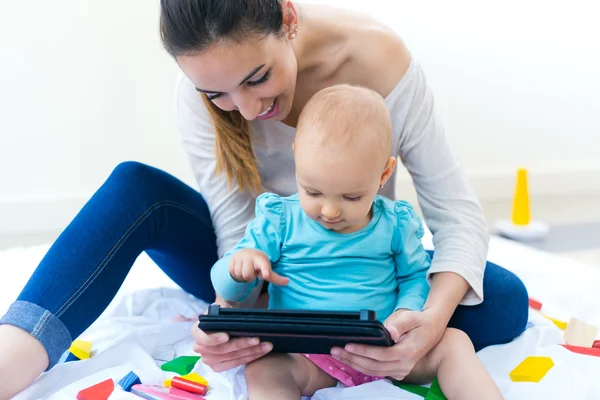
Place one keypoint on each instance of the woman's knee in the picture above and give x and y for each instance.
(503, 314)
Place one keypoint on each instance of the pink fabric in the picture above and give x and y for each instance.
(340, 371)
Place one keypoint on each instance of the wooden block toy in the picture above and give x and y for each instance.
(435, 392)
(532, 369)
(100, 391)
(409, 387)
(588, 351)
(536, 305)
(579, 333)
(181, 365)
(81, 349)
(129, 380)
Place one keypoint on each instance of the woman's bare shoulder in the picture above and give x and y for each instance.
(379, 58)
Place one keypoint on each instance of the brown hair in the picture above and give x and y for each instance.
(190, 27)
(235, 155)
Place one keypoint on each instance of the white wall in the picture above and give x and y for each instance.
(86, 84)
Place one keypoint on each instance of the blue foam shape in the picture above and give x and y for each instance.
(129, 380)
(71, 357)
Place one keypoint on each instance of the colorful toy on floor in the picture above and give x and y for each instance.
(194, 377)
(560, 324)
(435, 392)
(71, 357)
(181, 365)
(81, 349)
(532, 369)
(429, 393)
(155, 392)
(536, 305)
(588, 351)
(129, 380)
(100, 391)
(521, 227)
(579, 333)
(189, 386)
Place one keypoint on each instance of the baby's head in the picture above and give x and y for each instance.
(342, 150)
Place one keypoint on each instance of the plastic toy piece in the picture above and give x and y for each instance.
(193, 377)
(189, 386)
(536, 305)
(561, 324)
(593, 351)
(101, 391)
(129, 380)
(521, 227)
(71, 357)
(435, 392)
(81, 349)
(181, 365)
(596, 344)
(155, 392)
(579, 333)
(409, 387)
(532, 369)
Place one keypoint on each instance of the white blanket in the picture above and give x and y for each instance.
(135, 333)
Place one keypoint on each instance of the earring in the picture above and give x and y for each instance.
(381, 187)
(295, 30)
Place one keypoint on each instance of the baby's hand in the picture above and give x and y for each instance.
(249, 264)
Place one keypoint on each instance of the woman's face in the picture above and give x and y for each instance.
(256, 77)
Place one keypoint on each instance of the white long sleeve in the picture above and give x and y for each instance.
(450, 207)
(449, 204)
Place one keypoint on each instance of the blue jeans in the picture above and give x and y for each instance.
(140, 208)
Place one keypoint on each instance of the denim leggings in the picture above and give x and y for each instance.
(140, 208)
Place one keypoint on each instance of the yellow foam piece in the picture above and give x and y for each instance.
(193, 377)
(561, 324)
(521, 214)
(532, 369)
(81, 349)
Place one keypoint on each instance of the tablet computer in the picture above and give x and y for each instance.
(298, 331)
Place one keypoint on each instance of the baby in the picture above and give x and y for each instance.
(338, 245)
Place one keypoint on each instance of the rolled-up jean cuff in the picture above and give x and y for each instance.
(41, 324)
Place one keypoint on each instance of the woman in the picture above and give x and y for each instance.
(250, 66)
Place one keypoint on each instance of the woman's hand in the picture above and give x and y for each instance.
(220, 353)
(415, 334)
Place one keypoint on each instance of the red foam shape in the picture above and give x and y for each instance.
(536, 305)
(189, 386)
(588, 351)
(100, 391)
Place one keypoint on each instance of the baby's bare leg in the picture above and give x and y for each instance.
(284, 377)
(459, 371)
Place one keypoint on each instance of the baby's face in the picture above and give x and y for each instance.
(336, 187)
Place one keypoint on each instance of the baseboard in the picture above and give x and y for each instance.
(500, 185)
(34, 215)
